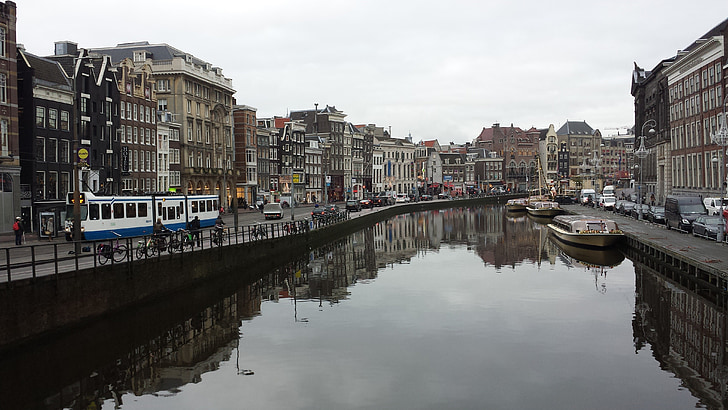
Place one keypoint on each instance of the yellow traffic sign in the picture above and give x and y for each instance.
(83, 153)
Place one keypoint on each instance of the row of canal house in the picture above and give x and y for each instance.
(683, 99)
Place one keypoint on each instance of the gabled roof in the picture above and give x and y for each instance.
(46, 70)
(575, 128)
(430, 143)
(280, 122)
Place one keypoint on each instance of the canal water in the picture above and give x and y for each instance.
(458, 309)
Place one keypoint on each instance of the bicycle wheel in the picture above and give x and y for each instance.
(141, 250)
(120, 253)
(103, 255)
(174, 245)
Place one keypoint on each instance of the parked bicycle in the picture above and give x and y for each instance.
(181, 242)
(151, 246)
(258, 232)
(117, 251)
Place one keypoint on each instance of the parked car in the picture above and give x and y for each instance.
(366, 203)
(353, 205)
(635, 211)
(401, 198)
(625, 207)
(273, 211)
(656, 214)
(383, 199)
(708, 226)
(426, 197)
(324, 211)
(681, 211)
(607, 203)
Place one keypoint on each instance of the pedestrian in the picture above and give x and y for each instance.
(18, 230)
(159, 226)
(195, 229)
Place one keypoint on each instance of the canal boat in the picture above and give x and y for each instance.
(544, 209)
(587, 231)
(516, 205)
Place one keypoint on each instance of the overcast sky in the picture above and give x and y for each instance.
(433, 69)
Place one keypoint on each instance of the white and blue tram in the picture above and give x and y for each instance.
(102, 216)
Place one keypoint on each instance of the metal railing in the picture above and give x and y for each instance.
(49, 259)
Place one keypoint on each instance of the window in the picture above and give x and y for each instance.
(105, 211)
(3, 88)
(189, 106)
(142, 208)
(136, 117)
(40, 117)
(162, 104)
(64, 121)
(131, 210)
(51, 152)
(40, 149)
(194, 207)
(93, 212)
(118, 210)
(147, 114)
(63, 186)
(4, 142)
(163, 85)
(40, 185)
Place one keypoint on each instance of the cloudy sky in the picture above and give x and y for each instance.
(431, 69)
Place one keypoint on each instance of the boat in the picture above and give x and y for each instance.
(544, 209)
(587, 231)
(516, 205)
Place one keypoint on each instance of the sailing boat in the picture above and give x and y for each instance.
(542, 206)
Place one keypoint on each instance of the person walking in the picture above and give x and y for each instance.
(18, 230)
(195, 229)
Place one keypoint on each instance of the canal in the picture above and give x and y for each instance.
(464, 308)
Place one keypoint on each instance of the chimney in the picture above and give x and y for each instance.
(65, 48)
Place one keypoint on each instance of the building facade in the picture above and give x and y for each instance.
(246, 154)
(10, 190)
(201, 97)
(138, 132)
(45, 102)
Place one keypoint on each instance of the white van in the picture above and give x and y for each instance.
(585, 194)
(608, 190)
(713, 205)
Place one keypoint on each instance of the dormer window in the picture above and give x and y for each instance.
(140, 56)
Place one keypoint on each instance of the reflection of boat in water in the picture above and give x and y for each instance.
(592, 257)
(586, 231)
(516, 205)
(544, 209)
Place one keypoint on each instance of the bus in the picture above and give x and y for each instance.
(103, 217)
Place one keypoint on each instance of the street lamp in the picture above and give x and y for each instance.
(720, 138)
(642, 153)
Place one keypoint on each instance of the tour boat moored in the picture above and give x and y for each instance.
(516, 205)
(582, 230)
(546, 209)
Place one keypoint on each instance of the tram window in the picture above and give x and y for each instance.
(105, 211)
(209, 206)
(118, 211)
(180, 209)
(142, 210)
(194, 206)
(160, 210)
(131, 210)
(93, 212)
(214, 205)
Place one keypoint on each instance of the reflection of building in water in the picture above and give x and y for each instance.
(686, 333)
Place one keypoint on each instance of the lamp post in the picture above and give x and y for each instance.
(720, 138)
(642, 153)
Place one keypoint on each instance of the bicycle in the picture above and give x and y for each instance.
(290, 228)
(146, 248)
(218, 236)
(117, 252)
(182, 240)
(258, 232)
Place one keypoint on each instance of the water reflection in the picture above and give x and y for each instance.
(685, 332)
